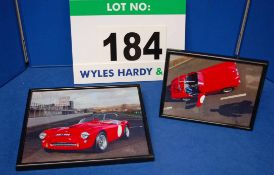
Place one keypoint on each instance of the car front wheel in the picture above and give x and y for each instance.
(126, 133)
(101, 142)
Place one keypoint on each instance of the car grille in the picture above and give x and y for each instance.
(63, 144)
(63, 134)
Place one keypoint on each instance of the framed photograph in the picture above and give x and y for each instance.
(212, 89)
(84, 126)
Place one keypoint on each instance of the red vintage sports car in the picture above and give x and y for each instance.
(95, 131)
(223, 77)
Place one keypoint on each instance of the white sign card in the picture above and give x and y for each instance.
(117, 41)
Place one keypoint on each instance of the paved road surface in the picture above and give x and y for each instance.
(135, 145)
(235, 110)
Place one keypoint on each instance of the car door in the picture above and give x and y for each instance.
(114, 130)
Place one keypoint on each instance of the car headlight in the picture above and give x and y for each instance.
(42, 135)
(84, 135)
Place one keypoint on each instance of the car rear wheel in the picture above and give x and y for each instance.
(101, 142)
(126, 133)
(185, 99)
(228, 90)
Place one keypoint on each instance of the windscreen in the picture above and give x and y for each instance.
(92, 117)
(191, 84)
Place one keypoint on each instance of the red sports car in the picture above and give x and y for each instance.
(95, 131)
(223, 77)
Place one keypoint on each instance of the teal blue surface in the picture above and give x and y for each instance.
(180, 147)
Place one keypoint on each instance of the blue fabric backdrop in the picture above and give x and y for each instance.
(47, 31)
(11, 54)
(212, 27)
(258, 41)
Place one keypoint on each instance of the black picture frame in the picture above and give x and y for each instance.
(137, 112)
(172, 104)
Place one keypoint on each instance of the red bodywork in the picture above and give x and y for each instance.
(69, 138)
(206, 81)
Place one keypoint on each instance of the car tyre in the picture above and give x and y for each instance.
(101, 142)
(227, 90)
(185, 99)
(126, 132)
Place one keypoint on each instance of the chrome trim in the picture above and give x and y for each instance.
(63, 144)
(62, 134)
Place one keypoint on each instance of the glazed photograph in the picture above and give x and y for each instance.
(84, 124)
(212, 89)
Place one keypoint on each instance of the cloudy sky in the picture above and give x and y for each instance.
(88, 98)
